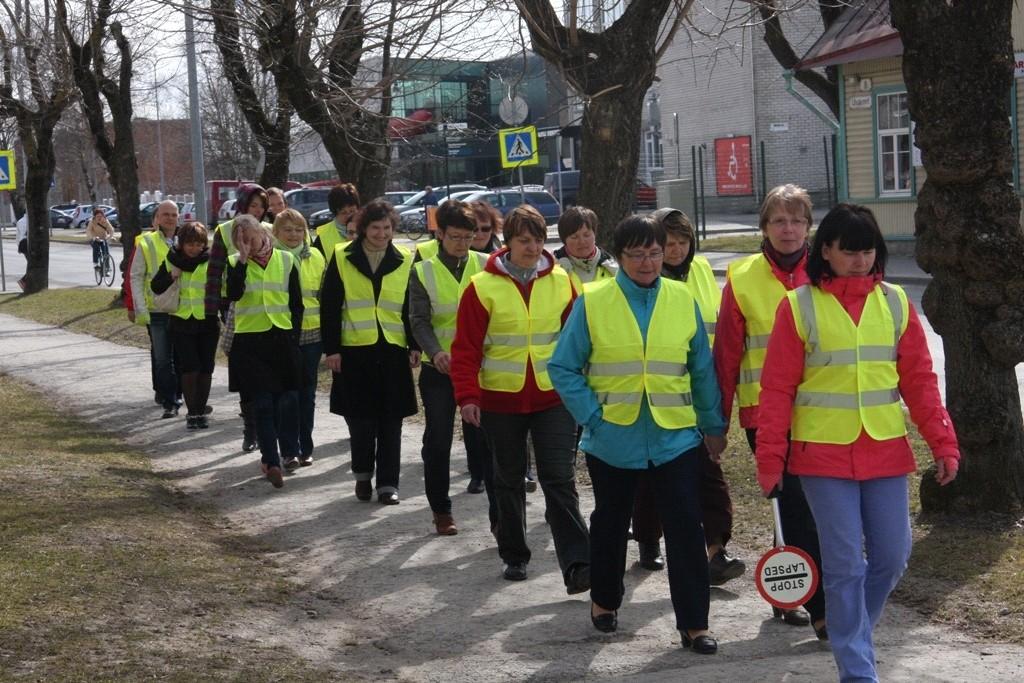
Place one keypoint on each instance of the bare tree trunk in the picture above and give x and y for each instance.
(37, 141)
(958, 67)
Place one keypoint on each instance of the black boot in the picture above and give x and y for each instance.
(249, 442)
(650, 556)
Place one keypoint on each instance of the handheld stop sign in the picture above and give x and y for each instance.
(786, 576)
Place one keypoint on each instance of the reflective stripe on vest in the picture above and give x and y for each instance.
(311, 277)
(331, 235)
(700, 282)
(758, 293)
(361, 316)
(428, 250)
(191, 293)
(445, 293)
(265, 301)
(154, 251)
(850, 380)
(622, 368)
(517, 333)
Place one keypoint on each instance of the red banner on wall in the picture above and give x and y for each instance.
(732, 166)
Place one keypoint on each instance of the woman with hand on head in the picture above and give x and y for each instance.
(265, 361)
(845, 349)
(508, 323)
(634, 367)
(291, 234)
(193, 334)
(754, 287)
(364, 325)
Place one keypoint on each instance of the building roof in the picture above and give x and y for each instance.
(863, 31)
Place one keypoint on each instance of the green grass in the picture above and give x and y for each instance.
(97, 312)
(750, 243)
(110, 574)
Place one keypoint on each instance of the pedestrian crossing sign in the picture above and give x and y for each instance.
(7, 179)
(518, 147)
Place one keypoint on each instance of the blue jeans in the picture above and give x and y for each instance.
(864, 531)
(311, 354)
(165, 379)
(277, 422)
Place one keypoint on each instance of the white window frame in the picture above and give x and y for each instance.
(894, 134)
(654, 150)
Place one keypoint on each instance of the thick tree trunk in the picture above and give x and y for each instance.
(276, 159)
(610, 157)
(37, 139)
(958, 67)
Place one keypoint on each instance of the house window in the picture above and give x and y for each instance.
(654, 153)
(894, 155)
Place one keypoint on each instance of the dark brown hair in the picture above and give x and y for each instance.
(456, 214)
(192, 231)
(375, 211)
(341, 196)
(574, 219)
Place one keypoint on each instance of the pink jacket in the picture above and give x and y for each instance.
(865, 458)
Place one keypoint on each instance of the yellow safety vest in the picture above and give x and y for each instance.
(311, 277)
(758, 293)
(850, 379)
(517, 334)
(361, 316)
(445, 292)
(700, 282)
(428, 250)
(192, 290)
(331, 236)
(154, 250)
(602, 273)
(621, 368)
(265, 301)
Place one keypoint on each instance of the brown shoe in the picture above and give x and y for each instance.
(444, 524)
(275, 476)
(364, 490)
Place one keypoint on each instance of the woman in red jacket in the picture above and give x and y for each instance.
(753, 288)
(508, 322)
(843, 352)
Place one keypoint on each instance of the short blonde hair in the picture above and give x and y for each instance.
(792, 198)
(289, 218)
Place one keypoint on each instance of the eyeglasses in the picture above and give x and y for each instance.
(640, 258)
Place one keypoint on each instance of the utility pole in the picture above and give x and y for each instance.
(198, 171)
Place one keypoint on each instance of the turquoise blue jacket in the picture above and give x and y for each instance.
(637, 445)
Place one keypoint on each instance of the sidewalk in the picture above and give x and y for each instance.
(383, 598)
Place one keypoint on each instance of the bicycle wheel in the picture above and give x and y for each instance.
(98, 271)
(109, 272)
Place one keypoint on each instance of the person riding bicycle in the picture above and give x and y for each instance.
(98, 231)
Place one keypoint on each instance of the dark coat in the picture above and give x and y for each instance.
(376, 380)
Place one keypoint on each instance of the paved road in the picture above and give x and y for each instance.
(70, 264)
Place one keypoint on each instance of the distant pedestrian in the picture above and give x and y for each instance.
(21, 237)
(193, 334)
(429, 198)
(364, 323)
(265, 361)
(844, 350)
(291, 234)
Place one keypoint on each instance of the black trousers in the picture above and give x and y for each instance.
(553, 432)
(675, 485)
(376, 445)
(798, 528)
(439, 407)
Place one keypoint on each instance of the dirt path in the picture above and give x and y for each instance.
(384, 598)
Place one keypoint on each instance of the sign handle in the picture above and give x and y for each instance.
(779, 541)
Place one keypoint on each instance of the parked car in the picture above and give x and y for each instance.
(186, 212)
(59, 219)
(645, 197)
(147, 210)
(307, 200)
(320, 218)
(416, 218)
(83, 213)
(226, 211)
(66, 208)
(504, 199)
(396, 198)
(417, 199)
